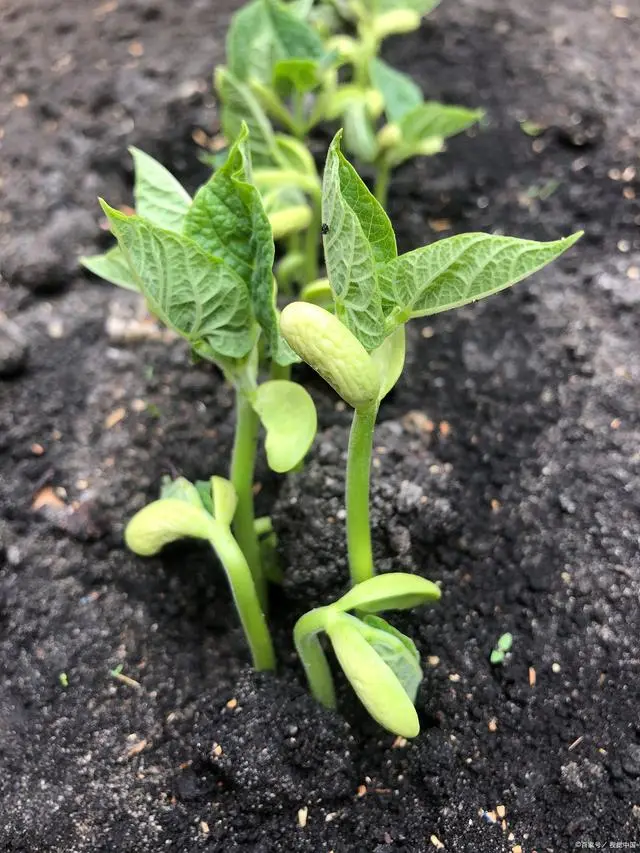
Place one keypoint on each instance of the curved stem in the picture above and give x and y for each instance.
(245, 596)
(242, 469)
(357, 499)
(310, 652)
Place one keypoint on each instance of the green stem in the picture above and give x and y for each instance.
(358, 473)
(310, 652)
(280, 371)
(383, 178)
(245, 596)
(312, 241)
(242, 469)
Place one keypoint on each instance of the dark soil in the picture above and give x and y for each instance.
(506, 468)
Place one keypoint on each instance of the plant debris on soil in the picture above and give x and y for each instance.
(506, 467)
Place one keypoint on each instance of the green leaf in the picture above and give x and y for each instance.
(239, 105)
(397, 650)
(302, 74)
(180, 489)
(288, 414)
(228, 220)
(265, 32)
(399, 91)
(300, 8)
(374, 681)
(295, 39)
(296, 156)
(422, 7)
(204, 490)
(165, 521)
(250, 44)
(112, 266)
(389, 359)
(463, 269)
(359, 134)
(431, 119)
(159, 197)
(192, 292)
(358, 239)
(224, 500)
(392, 591)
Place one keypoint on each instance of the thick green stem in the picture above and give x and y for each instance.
(383, 178)
(245, 596)
(279, 371)
(358, 473)
(242, 469)
(310, 652)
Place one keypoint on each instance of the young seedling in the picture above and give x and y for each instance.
(205, 268)
(381, 664)
(205, 512)
(501, 649)
(359, 348)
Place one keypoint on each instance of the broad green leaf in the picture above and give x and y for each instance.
(359, 133)
(224, 499)
(112, 266)
(295, 39)
(265, 32)
(192, 292)
(228, 220)
(458, 270)
(239, 105)
(399, 91)
(159, 197)
(375, 683)
(250, 48)
(433, 119)
(392, 591)
(358, 238)
(165, 521)
(389, 359)
(397, 650)
(180, 489)
(302, 74)
(288, 414)
(300, 8)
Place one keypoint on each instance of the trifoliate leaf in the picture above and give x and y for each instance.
(191, 291)
(159, 197)
(228, 220)
(357, 238)
(458, 270)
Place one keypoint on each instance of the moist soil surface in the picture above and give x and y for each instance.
(506, 469)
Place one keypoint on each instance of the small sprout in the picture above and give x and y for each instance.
(63, 679)
(500, 650)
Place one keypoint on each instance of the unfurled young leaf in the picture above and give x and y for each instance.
(288, 414)
(359, 133)
(181, 489)
(433, 119)
(422, 7)
(397, 650)
(159, 197)
(374, 681)
(400, 93)
(228, 220)
(294, 38)
(358, 238)
(191, 291)
(302, 74)
(112, 266)
(459, 270)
